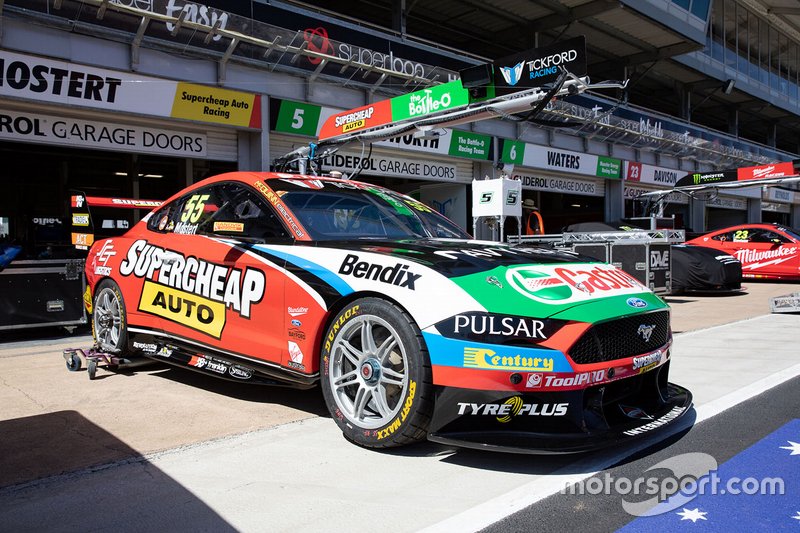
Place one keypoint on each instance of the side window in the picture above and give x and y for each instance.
(192, 210)
(233, 210)
(770, 237)
(757, 235)
(184, 214)
(723, 237)
(222, 210)
(163, 220)
(741, 235)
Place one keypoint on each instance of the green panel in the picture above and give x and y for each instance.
(508, 301)
(470, 145)
(608, 167)
(611, 307)
(431, 100)
(513, 152)
(298, 118)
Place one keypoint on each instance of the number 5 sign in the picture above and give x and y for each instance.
(298, 118)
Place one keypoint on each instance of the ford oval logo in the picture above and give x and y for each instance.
(638, 303)
(296, 323)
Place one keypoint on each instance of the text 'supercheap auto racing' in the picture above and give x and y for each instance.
(412, 329)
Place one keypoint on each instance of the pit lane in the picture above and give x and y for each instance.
(191, 451)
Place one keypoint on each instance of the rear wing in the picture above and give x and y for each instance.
(95, 217)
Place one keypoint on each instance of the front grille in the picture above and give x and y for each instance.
(621, 338)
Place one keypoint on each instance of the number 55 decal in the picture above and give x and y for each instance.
(194, 208)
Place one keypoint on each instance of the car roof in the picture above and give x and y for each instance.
(251, 177)
(760, 225)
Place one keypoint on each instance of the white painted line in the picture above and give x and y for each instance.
(509, 503)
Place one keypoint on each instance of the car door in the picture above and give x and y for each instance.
(725, 241)
(759, 250)
(775, 253)
(213, 287)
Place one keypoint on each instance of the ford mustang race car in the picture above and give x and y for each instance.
(412, 329)
(768, 251)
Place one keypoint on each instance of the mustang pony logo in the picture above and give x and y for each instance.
(645, 331)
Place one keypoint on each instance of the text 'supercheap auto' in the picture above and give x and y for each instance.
(412, 329)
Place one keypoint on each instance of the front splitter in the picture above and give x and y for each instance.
(677, 403)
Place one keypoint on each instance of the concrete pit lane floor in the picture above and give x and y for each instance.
(158, 447)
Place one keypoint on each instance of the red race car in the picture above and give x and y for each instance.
(412, 328)
(768, 251)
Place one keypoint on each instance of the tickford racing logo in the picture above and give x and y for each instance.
(572, 283)
(191, 291)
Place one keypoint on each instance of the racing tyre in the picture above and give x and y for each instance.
(109, 325)
(376, 375)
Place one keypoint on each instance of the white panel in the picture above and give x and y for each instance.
(546, 182)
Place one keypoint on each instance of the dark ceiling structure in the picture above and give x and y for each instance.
(621, 43)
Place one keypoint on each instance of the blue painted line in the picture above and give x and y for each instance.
(772, 464)
(326, 275)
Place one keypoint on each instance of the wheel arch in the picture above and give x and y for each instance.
(343, 302)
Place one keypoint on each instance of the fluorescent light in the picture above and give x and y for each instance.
(140, 175)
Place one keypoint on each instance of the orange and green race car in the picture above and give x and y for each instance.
(413, 329)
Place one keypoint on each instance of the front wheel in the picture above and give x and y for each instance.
(109, 325)
(376, 375)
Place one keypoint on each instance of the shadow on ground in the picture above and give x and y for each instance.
(132, 496)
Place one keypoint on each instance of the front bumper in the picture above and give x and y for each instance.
(558, 422)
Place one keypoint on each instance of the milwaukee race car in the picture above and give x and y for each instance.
(768, 251)
(412, 329)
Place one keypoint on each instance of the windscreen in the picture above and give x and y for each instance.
(332, 210)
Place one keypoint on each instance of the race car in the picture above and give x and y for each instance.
(704, 270)
(768, 251)
(413, 329)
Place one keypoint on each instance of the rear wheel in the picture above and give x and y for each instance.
(376, 375)
(109, 324)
